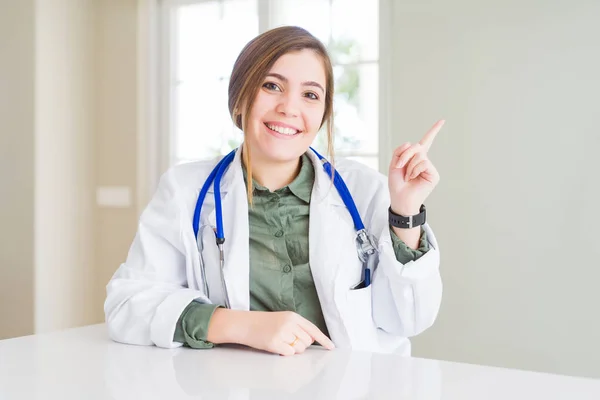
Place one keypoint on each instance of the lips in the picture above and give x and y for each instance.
(282, 129)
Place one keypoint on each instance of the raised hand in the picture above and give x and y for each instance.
(412, 176)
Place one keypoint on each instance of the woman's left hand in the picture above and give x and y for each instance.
(412, 176)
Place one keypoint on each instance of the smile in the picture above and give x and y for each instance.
(282, 130)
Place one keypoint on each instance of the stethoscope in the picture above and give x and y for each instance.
(366, 245)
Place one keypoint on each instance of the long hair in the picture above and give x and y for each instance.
(252, 66)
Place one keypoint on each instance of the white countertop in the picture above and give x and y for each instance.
(84, 364)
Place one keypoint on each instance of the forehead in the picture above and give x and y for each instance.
(301, 66)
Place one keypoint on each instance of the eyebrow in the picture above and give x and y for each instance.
(307, 83)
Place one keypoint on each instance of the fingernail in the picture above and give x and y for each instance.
(400, 164)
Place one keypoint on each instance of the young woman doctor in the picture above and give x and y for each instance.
(291, 268)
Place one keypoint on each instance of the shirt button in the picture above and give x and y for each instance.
(279, 233)
(287, 269)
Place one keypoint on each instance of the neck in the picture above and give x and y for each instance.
(274, 175)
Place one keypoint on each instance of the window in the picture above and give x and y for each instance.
(203, 38)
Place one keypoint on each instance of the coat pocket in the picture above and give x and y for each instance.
(358, 318)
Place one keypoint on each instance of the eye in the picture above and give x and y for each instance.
(312, 95)
(271, 86)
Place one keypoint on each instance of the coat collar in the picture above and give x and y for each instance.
(323, 190)
(233, 174)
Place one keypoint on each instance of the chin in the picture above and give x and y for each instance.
(281, 153)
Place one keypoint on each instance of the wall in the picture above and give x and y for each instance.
(16, 168)
(115, 144)
(64, 170)
(516, 212)
(47, 165)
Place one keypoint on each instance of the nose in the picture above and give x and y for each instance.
(289, 105)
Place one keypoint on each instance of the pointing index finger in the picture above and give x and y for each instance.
(316, 334)
(429, 136)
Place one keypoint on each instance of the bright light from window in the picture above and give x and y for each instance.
(206, 49)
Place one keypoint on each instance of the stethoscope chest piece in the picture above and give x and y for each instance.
(368, 254)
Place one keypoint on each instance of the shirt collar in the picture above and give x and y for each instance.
(303, 184)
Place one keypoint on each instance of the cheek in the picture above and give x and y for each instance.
(255, 119)
(314, 118)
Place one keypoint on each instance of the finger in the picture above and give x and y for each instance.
(316, 334)
(421, 166)
(398, 152)
(299, 347)
(296, 341)
(417, 158)
(301, 340)
(396, 155)
(284, 349)
(428, 172)
(429, 136)
(303, 337)
(407, 155)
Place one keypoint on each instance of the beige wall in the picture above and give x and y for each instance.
(47, 166)
(116, 146)
(64, 170)
(516, 212)
(69, 124)
(16, 168)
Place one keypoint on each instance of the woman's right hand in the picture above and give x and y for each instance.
(270, 331)
(276, 331)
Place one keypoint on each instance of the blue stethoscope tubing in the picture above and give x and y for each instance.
(366, 246)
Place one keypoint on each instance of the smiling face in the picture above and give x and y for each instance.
(288, 109)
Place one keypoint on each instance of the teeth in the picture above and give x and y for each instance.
(282, 130)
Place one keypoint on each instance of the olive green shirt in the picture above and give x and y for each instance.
(280, 275)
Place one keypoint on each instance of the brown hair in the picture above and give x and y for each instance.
(252, 66)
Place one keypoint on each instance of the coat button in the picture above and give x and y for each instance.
(287, 269)
(279, 233)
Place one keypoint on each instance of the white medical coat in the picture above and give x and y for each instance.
(162, 275)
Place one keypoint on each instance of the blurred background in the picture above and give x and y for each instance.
(99, 97)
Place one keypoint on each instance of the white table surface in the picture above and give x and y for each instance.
(84, 364)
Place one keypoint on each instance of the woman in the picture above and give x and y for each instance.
(291, 267)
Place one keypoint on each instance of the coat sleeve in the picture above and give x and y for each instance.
(406, 297)
(148, 293)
